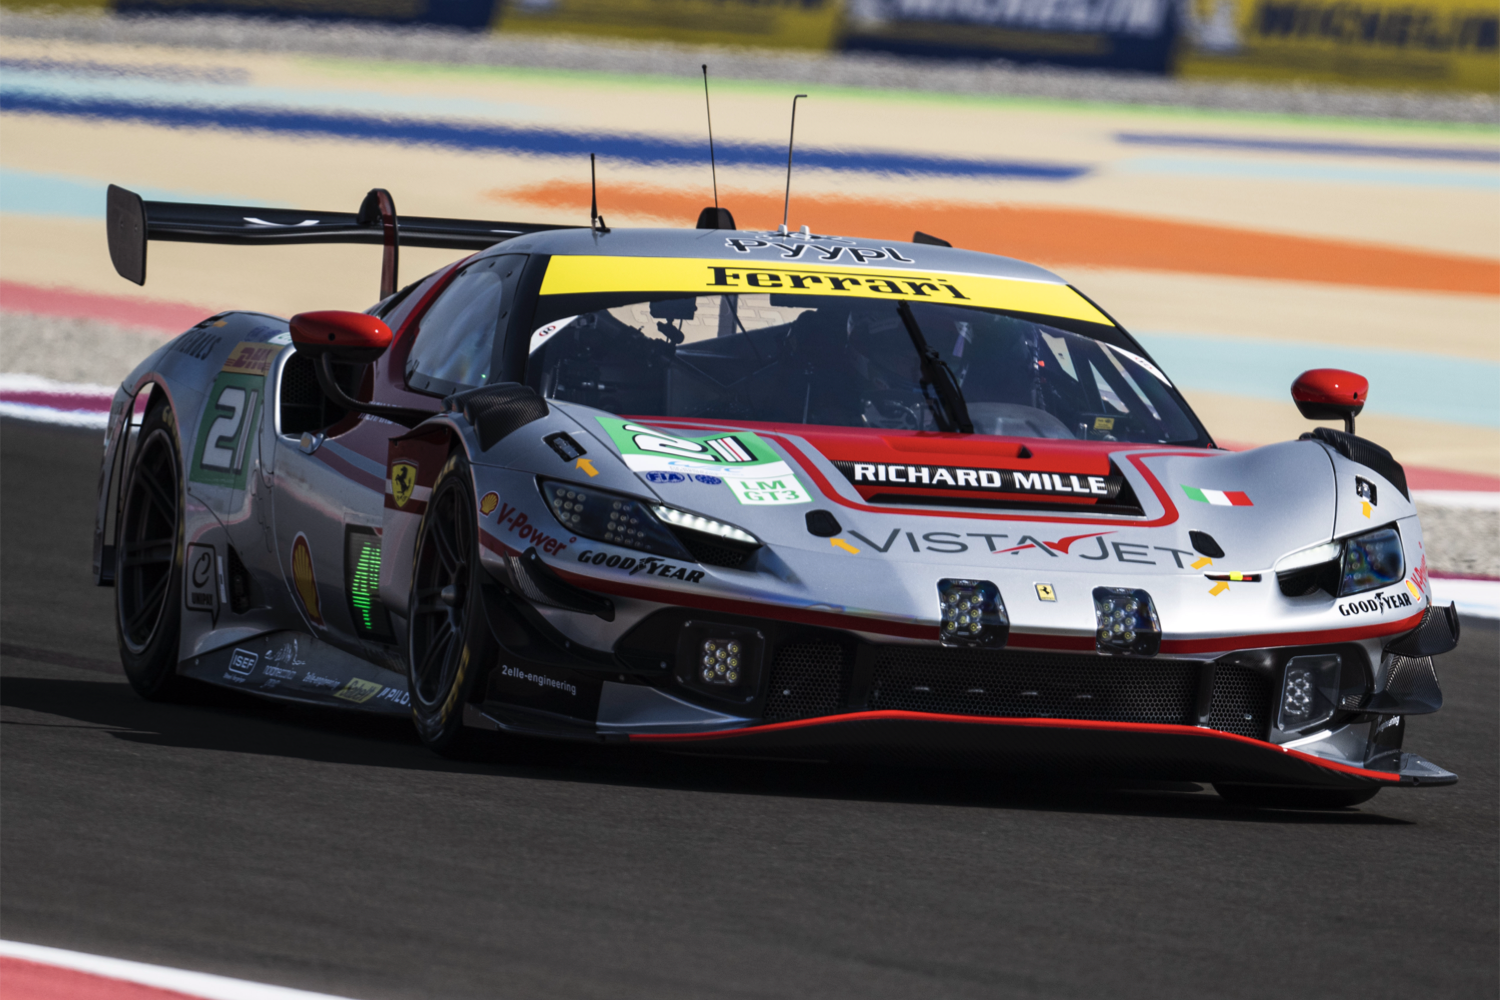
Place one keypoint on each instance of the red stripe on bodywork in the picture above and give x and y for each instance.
(983, 720)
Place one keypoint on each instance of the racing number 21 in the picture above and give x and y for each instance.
(226, 430)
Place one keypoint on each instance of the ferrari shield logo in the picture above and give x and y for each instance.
(403, 481)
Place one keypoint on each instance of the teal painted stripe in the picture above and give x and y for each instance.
(24, 192)
(1402, 383)
(1473, 178)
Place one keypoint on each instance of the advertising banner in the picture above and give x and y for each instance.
(786, 24)
(472, 14)
(1446, 44)
(1115, 34)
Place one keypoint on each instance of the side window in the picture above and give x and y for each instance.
(455, 343)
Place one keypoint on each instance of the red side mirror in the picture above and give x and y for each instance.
(1331, 394)
(354, 337)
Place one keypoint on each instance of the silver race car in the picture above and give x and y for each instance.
(761, 493)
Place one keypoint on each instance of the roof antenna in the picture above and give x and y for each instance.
(712, 166)
(786, 204)
(596, 221)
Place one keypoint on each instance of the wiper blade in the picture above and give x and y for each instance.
(952, 413)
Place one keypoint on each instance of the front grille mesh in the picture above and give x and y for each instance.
(807, 679)
(1242, 701)
(710, 553)
(1033, 685)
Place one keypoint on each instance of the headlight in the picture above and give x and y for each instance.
(1343, 567)
(1371, 561)
(610, 517)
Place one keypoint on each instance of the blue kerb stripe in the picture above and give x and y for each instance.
(1467, 154)
(522, 141)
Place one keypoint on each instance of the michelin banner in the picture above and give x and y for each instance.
(1115, 34)
(1447, 44)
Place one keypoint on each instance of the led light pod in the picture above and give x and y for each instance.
(1126, 622)
(971, 613)
(720, 660)
(1309, 691)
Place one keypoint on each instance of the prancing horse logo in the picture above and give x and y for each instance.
(403, 481)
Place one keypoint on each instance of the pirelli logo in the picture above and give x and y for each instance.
(951, 477)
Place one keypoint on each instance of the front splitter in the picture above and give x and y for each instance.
(1064, 747)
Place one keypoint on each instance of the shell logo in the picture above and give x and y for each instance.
(305, 582)
(488, 503)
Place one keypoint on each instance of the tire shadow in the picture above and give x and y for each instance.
(228, 721)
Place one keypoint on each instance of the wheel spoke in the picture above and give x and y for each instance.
(164, 501)
(150, 604)
(436, 652)
(446, 548)
(428, 608)
(147, 553)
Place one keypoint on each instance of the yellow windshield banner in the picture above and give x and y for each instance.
(697, 276)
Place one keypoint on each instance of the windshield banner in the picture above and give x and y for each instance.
(696, 276)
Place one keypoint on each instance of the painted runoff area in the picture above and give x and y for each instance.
(36, 972)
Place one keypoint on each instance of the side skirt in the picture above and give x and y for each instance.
(294, 666)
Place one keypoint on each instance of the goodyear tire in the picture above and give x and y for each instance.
(1274, 797)
(148, 561)
(449, 646)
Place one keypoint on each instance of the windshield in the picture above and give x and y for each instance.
(808, 359)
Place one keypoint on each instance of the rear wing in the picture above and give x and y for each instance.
(132, 222)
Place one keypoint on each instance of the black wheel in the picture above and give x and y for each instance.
(1278, 797)
(148, 561)
(449, 647)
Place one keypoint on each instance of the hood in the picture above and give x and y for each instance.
(1257, 505)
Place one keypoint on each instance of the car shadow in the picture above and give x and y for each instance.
(229, 721)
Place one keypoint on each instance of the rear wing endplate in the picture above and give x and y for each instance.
(132, 222)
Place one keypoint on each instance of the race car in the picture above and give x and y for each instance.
(766, 493)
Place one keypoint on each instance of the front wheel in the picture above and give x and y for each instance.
(449, 647)
(1276, 797)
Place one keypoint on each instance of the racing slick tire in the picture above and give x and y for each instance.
(449, 645)
(149, 560)
(1275, 797)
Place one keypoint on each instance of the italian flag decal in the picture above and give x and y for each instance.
(1218, 497)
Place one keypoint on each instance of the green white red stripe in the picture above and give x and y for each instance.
(1219, 498)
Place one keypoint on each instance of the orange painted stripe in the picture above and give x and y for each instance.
(1056, 237)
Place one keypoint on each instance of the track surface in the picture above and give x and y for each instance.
(323, 851)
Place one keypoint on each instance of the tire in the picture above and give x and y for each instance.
(1277, 797)
(450, 650)
(149, 558)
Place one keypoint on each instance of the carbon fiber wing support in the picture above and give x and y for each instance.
(132, 222)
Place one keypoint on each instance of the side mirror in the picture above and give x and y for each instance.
(351, 337)
(1331, 394)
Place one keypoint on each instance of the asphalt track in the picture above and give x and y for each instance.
(331, 853)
